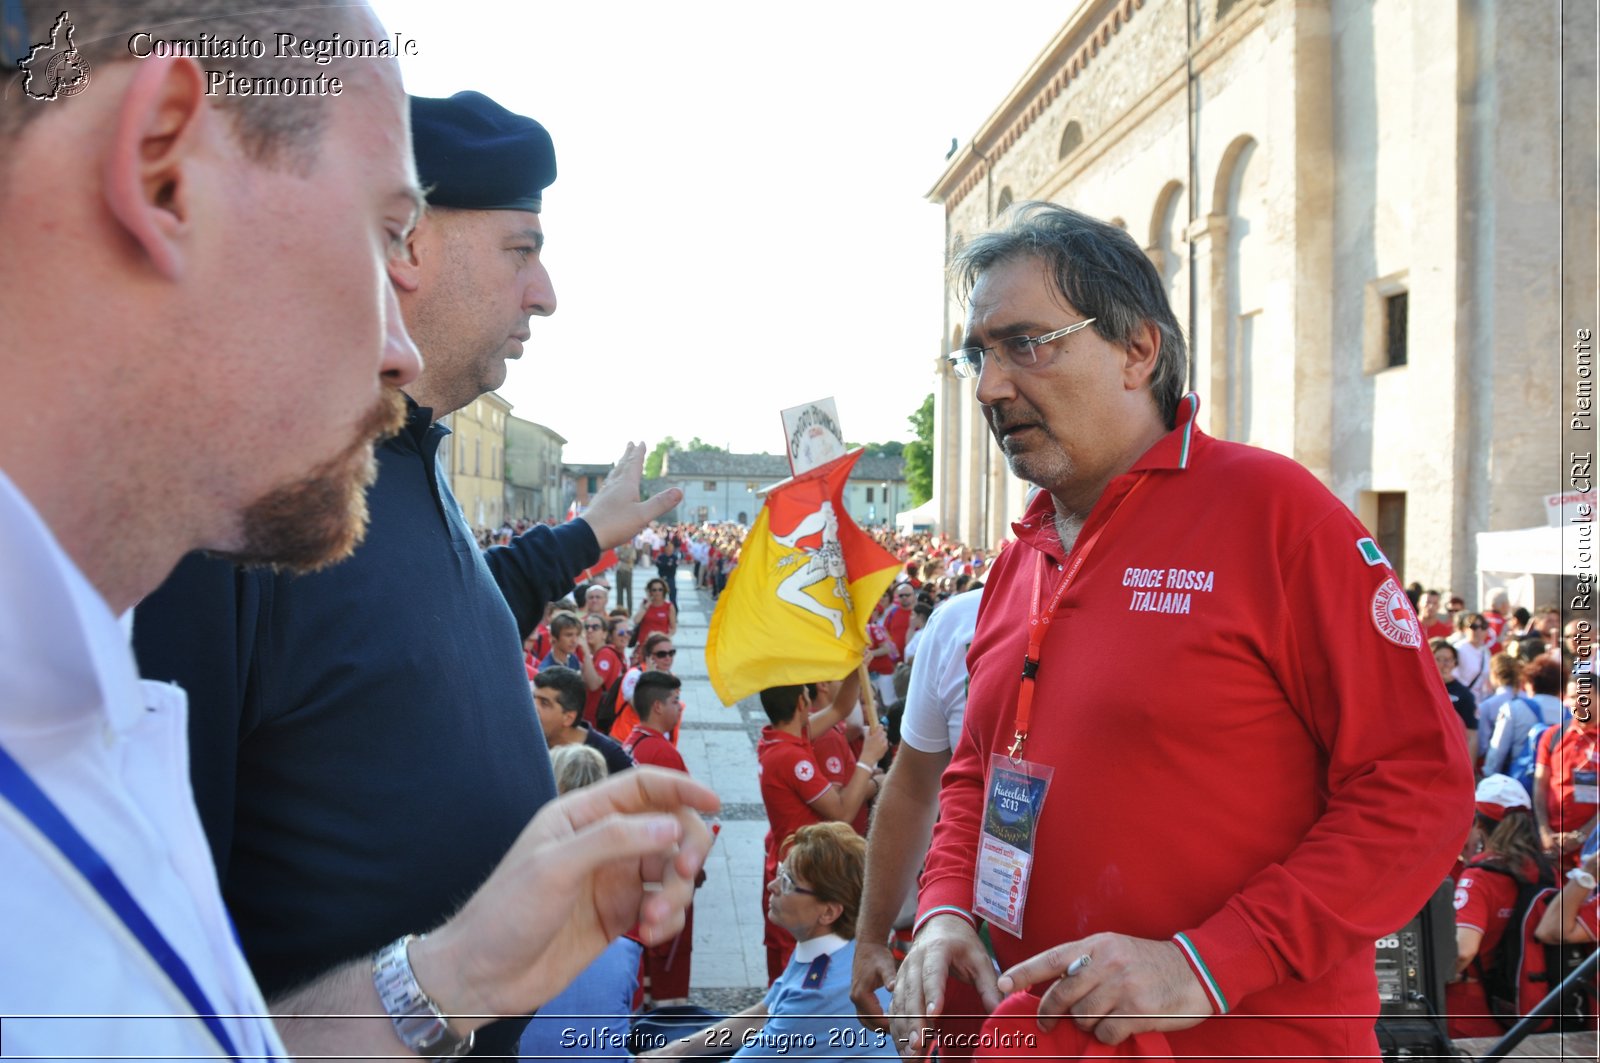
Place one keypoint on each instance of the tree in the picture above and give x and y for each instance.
(653, 460)
(894, 448)
(919, 453)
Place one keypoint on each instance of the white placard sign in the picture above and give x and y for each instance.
(812, 436)
(1569, 507)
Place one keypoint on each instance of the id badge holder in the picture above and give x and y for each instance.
(1012, 803)
(1586, 787)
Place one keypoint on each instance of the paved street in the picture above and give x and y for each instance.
(719, 745)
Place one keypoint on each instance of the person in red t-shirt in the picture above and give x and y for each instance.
(1499, 609)
(603, 663)
(796, 792)
(897, 618)
(666, 966)
(657, 614)
(829, 729)
(882, 656)
(1435, 624)
(536, 645)
(1566, 790)
(1486, 893)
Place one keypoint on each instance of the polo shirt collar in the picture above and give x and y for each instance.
(1174, 451)
(420, 429)
(773, 734)
(821, 945)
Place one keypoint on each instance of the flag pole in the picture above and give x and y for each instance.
(869, 704)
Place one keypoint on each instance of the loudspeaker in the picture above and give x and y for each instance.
(1413, 965)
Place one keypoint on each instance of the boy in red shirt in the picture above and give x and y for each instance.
(665, 966)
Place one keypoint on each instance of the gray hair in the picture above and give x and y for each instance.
(1100, 271)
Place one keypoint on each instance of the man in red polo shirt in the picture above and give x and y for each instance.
(797, 792)
(1230, 831)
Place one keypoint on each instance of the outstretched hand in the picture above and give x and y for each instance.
(588, 867)
(615, 513)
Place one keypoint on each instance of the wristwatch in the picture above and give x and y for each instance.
(1581, 877)
(418, 1022)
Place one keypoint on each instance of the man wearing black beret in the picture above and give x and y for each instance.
(364, 744)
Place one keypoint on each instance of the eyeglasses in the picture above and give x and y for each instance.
(786, 883)
(1020, 352)
(594, 627)
(1479, 627)
(663, 655)
(623, 631)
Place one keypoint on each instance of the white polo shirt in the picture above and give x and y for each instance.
(112, 753)
(937, 699)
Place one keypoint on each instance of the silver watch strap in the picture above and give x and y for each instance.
(418, 1022)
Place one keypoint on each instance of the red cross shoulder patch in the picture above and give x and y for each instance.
(1392, 615)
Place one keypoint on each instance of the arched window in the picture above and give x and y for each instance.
(1071, 137)
(1251, 375)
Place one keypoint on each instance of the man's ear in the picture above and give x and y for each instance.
(1143, 351)
(154, 135)
(405, 269)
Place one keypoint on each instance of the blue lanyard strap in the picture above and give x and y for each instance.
(18, 787)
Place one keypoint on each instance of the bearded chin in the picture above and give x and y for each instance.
(322, 518)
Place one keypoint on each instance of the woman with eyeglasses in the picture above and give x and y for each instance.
(656, 654)
(807, 1012)
(603, 664)
(1471, 641)
(656, 615)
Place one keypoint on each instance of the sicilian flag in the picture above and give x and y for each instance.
(796, 608)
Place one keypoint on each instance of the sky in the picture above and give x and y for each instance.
(740, 221)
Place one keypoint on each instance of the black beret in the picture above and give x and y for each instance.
(473, 154)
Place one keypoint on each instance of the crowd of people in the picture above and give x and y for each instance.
(1520, 685)
(821, 761)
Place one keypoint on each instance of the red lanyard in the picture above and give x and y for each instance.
(1039, 622)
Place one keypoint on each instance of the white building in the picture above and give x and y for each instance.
(720, 486)
(1355, 206)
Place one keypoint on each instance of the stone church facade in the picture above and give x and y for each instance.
(1355, 205)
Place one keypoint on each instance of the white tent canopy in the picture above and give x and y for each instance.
(922, 516)
(1511, 559)
(1541, 550)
